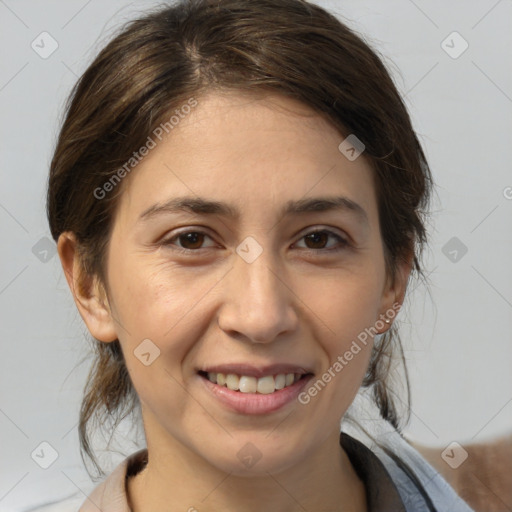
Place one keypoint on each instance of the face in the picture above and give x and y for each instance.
(262, 284)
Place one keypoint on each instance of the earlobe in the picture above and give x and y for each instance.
(394, 293)
(88, 293)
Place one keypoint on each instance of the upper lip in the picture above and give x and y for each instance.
(256, 371)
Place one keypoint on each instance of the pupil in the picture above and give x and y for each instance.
(192, 238)
(314, 237)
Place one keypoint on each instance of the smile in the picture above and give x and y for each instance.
(249, 384)
(263, 393)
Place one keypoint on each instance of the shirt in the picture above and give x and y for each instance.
(396, 477)
(395, 482)
(382, 494)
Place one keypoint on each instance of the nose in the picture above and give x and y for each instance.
(258, 302)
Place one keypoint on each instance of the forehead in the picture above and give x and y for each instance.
(255, 153)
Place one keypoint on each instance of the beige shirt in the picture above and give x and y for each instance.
(111, 494)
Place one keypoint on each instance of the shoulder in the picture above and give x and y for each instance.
(480, 473)
(421, 487)
(110, 495)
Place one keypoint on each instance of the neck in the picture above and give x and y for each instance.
(178, 480)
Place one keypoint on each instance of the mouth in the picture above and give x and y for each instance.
(264, 385)
(248, 390)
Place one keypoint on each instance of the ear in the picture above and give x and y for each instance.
(394, 290)
(89, 294)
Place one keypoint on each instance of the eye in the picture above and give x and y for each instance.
(319, 237)
(193, 240)
(189, 240)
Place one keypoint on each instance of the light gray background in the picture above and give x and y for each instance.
(458, 340)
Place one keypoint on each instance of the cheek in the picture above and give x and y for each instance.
(349, 307)
(153, 299)
(164, 307)
(347, 302)
(161, 304)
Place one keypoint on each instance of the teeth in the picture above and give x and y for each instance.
(232, 381)
(266, 385)
(247, 384)
(280, 381)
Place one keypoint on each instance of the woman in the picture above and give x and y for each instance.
(237, 194)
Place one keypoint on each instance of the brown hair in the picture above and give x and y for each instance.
(156, 64)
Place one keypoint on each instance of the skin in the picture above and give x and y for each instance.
(297, 303)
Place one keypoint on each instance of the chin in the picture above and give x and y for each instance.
(253, 458)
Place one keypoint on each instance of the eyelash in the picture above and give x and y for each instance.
(343, 242)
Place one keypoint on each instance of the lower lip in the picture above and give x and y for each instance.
(255, 403)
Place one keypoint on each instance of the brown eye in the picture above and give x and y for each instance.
(187, 240)
(318, 240)
(191, 240)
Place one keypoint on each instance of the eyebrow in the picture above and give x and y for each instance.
(203, 206)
